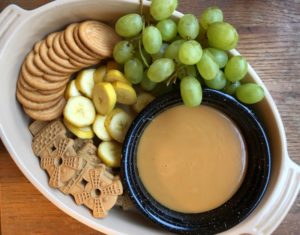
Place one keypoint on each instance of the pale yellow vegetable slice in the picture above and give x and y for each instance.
(81, 132)
(115, 76)
(100, 129)
(79, 111)
(117, 124)
(100, 74)
(104, 97)
(110, 153)
(143, 100)
(125, 93)
(85, 82)
(71, 90)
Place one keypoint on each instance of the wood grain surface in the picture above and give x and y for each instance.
(270, 40)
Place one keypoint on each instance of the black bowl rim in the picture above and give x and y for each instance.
(189, 223)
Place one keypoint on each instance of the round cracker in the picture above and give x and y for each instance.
(98, 37)
(58, 49)
(70, 41)
(43, 52)
(37, 60)
(58, 60)
(47, 114)
(33, 104)
(73, 56)
(81, 45)
(32, 68)
(40, 83)
(50, 38)
(36, 96)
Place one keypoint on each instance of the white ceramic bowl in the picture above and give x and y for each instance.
(19, 29)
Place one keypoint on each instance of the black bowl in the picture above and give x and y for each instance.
(239, 206)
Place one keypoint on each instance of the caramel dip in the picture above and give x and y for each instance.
(191, 160)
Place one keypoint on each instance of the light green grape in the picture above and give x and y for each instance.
(133, 70)
(161, 69)
(168, 29)
(187, 70)
(222, 35)
(152, 40)
(220, 56)
(207, 66)
(133, 20)
(146, 83)
(218, 83)
(250, 93)
(231, 87)
(172, 50)
(211, 15)
(162, 9)
(123, 51)
(191, 91)
(161, 52)
(188, 26)
(236, 68)
(190, 52)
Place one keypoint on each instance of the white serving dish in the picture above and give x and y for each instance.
(19, 29)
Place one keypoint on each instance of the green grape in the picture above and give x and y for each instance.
(161, 69)
(207, 66)
(191, 91)
(146, 83)
(188, 27)
(236, 68)
(123, 51)
(211, 15)
(250, 93)
(168, 29)
(147, 57)
(133, 20)
(218, 82)
(231, 87)
(162, 9)
(187, 70)
(220, 57)
(190, 52)
(133, 70)
(152, 40)
(172, 50)
(161, 52)
(222, 35)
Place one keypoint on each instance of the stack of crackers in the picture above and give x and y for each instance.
(48, 67)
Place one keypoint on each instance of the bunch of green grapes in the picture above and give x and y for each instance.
(161, 54)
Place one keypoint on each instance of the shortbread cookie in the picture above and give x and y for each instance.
(101, 191)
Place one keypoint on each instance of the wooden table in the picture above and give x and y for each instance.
(269, 39)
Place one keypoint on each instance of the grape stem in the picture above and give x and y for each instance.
(172, 79)
(141, 6)
(142, 54)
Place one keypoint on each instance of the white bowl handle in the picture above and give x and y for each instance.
(283, 201)
(10, 17)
